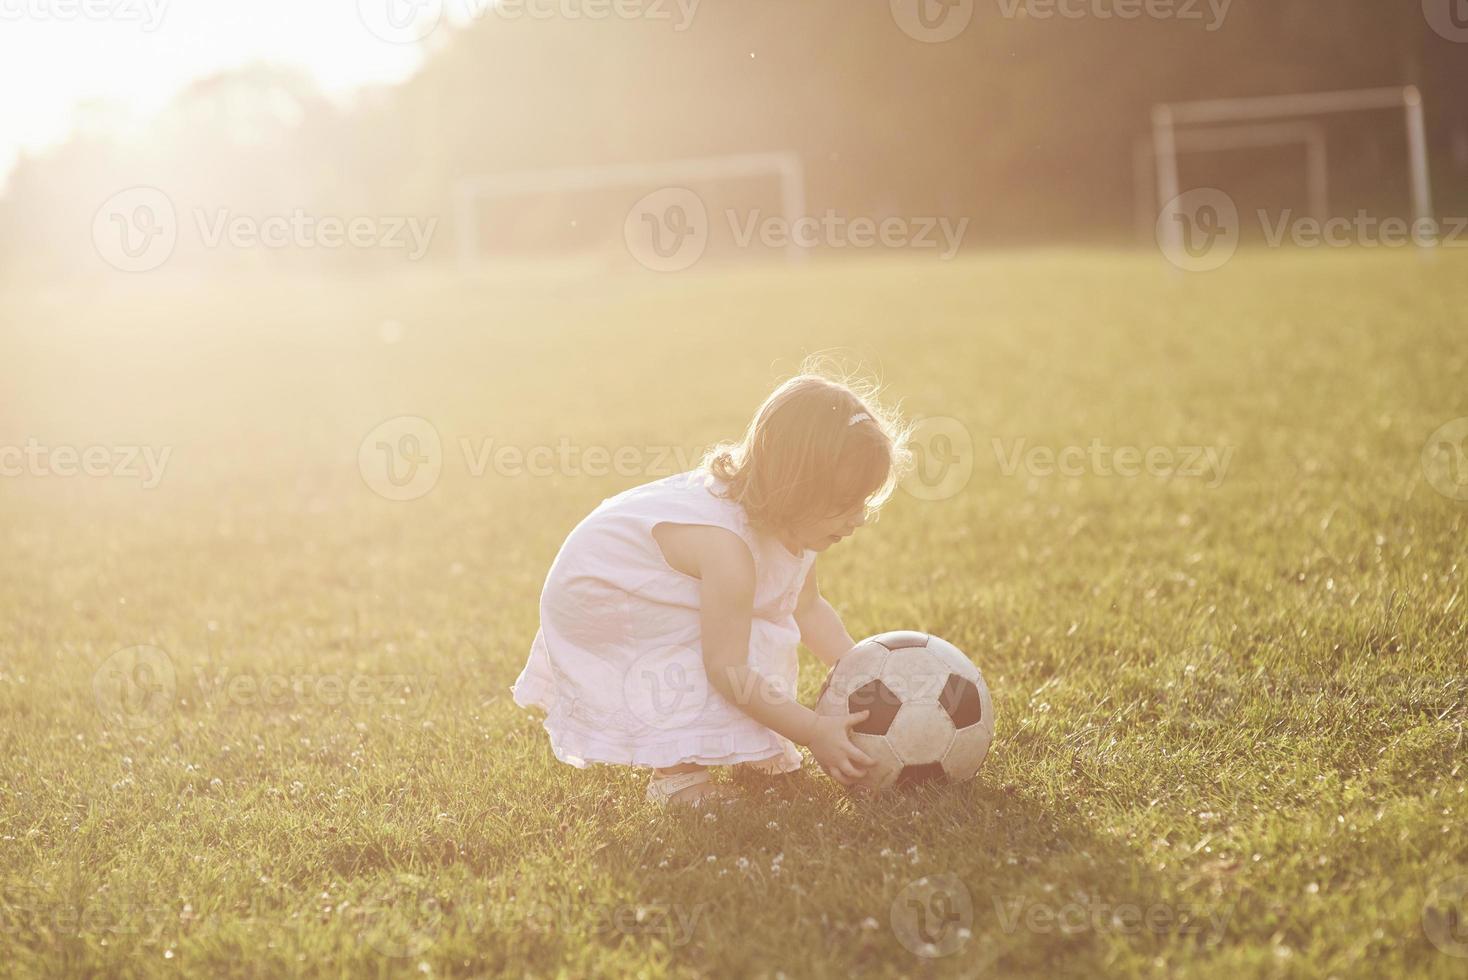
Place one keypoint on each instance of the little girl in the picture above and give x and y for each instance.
(670, 617)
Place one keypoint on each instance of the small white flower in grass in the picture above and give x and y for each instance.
(709, 818)
(663, 863)
(772, 825)
(216, 783)
(711, 859)
(742, 864)
(869, 923)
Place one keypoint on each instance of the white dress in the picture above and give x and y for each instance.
(618, 664)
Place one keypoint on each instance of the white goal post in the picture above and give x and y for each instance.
(1170, 138)
(1307, 134)
(470, 191)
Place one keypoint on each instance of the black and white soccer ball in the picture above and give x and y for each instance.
(931, 714)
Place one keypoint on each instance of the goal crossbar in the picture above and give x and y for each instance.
(1303, 104)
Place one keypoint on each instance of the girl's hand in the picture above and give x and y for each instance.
(830, 742)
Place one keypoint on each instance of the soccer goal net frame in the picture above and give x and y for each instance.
(1171, 136)
(471, 191)
(1310, 135)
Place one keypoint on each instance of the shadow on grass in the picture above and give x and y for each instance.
(955, 880)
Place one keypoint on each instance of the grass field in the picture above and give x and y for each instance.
(1230, 705)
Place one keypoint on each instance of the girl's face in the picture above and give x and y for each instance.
(821, 534)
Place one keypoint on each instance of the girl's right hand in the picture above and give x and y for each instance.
(830, 742)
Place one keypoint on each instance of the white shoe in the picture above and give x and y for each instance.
(662, 789)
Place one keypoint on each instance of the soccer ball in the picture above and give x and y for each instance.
(931, 715)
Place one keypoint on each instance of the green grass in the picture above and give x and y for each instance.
(1237, 709)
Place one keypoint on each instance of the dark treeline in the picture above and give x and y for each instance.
(1025, 124)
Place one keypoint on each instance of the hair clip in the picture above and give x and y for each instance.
(858, 417)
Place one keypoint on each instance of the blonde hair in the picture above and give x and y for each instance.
(819, 445)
